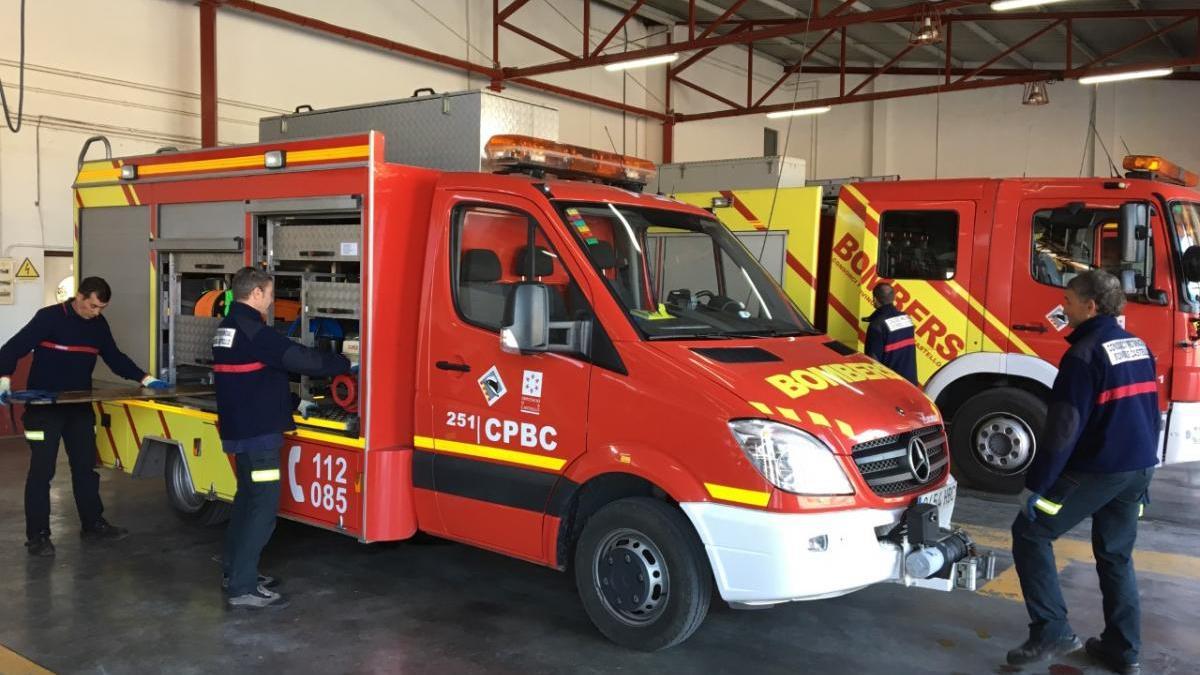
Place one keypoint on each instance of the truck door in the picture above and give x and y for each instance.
(503, 425)
(925, 250)
(1058, 239)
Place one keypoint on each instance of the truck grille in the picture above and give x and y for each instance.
(884, 462)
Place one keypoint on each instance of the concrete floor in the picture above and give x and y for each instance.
(152, 603)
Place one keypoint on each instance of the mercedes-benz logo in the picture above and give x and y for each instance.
(918, 460)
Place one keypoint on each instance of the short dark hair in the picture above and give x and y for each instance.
(95, 286)
(1102, 288)
(247, 279)
(884, 294)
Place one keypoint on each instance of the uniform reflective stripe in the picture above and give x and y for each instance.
(238, 367)
(1127, 391)
(1048, 507)
(1141, 510)
(35, 435)
(900, 345)
(264, 475)
(68, 348)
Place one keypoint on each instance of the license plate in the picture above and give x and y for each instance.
(941, 497)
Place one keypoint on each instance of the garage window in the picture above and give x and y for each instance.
(918, 244)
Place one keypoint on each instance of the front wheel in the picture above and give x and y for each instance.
(184, 500)
(642, 574)
(993, 438)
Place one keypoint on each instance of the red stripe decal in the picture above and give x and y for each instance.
(910, 342)
(78, 198)
(238, 367)
(68, 348)
(132, 427)
(746, 213)
(163, 419)
(1126, 391)
(848, 316)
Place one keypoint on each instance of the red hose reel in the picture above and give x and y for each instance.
(345, 392)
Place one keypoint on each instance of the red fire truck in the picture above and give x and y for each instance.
(980, 266)
(556, 370)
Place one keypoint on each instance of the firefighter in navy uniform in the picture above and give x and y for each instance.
(251, 362)
(65, 340)
(890, 338)
(1096, 458)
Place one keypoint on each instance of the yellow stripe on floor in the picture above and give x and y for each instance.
(12, 663)
(1066, 551)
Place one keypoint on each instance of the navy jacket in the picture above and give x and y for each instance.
(65, 346)
(251, 362)
(1103, 415)
(890, 341)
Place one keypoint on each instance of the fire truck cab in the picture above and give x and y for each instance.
(980, 265)
(570, 373)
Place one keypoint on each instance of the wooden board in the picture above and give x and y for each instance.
(127, 393)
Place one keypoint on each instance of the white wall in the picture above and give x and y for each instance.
(130, 70)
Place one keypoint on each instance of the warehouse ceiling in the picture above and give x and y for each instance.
(971, 42)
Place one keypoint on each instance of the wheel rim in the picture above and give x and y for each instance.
(1003, 444)
(183, 495)
(631, 577)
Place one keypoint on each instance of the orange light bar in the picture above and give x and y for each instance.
(1161, 168)
(510, 152)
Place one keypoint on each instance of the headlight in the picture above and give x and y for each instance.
(791, 459)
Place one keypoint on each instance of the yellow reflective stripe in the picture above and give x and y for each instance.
(790, 414)
(1141, 510)
(739, 495)
(845, 428)
(108, 173)
(487, 452)
(990, 318)
(818, 418)
(762, 408)
(1048, 507)
(264, 475)
(35, 435)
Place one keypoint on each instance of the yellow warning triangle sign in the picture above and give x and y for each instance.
(27, 270)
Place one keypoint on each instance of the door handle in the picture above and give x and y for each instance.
(1030, 328)
(458, 367)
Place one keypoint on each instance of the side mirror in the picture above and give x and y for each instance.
(1134, 221)
(1191, 263)
(528, 326)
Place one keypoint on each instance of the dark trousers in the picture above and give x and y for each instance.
(1113, 501)
(75, 426)
(254, 509)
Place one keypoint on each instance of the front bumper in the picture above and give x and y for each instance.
(762, 558)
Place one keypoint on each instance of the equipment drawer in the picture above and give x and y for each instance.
(316, 242)
(209, 263)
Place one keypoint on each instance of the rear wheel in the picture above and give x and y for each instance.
(993, 438)
(642, 574)
(184, 499)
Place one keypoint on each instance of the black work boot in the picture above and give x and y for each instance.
(40, 546)
(101, 530)
(1033, 651)
(1102, 655)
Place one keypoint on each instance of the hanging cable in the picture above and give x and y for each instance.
(15, 127)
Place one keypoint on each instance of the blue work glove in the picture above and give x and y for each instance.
(354, 369)
(1030, 506)
(152, 382)
(5, 390)
(305, 408)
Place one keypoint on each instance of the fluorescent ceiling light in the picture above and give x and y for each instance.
(641, 63)
(799, 111)
(1001, 5)
(1131, 75)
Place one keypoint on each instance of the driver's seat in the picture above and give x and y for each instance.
(605, 257)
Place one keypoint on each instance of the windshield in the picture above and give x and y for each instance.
(681, 276)
(1185, 222)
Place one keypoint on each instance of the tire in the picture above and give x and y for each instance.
(993, 438)
(646, 554)
(183, 499)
